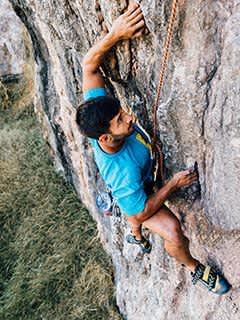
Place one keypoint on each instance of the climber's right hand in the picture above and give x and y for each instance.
(129, 24)
(184, 178)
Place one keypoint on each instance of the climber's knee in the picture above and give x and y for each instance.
(173, 232)
(166, 224)
(175, 236)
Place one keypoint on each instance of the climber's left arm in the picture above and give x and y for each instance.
(128, 25)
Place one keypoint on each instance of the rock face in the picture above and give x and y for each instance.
(16, 61)
(199, 119)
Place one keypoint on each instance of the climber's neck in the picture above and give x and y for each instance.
(111, 147)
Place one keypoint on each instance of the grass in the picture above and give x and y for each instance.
(52, 266)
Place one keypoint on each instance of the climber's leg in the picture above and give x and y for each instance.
(166, 224)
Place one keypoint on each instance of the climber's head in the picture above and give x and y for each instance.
(103, 118)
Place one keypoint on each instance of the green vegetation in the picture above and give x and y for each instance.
(52, 266)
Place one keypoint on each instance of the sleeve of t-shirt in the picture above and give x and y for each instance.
(94, 93)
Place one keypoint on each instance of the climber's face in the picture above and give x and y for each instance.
(121, 125)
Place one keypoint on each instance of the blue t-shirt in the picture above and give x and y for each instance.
(126, 170)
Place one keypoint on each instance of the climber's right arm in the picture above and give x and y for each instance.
(92, 77)
(156, 200)
(126, 26)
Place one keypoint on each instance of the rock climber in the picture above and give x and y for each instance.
(123, 155)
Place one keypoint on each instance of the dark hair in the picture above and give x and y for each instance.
(93, 116)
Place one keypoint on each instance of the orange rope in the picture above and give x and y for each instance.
(158, 146)
(164, 63)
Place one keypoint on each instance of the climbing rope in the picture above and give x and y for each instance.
(157, 145)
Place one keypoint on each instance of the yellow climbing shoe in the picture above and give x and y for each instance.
(210, 278)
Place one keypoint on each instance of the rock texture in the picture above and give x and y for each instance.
(16, 61)
(199, 119)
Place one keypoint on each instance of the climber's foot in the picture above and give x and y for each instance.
(211, 279)
(144, 244)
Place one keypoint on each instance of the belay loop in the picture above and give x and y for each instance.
(157, 145)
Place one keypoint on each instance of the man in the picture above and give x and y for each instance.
(122, 154)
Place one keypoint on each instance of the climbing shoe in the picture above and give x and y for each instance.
(211, 279)
(144, 244)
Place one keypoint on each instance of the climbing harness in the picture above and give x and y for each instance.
(157, 145)
(106, 204)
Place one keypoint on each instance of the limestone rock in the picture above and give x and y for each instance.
(16, 60)
(199, 119)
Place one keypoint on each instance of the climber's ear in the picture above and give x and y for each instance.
(105, 138)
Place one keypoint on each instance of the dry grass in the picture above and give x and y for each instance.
(51, 263)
